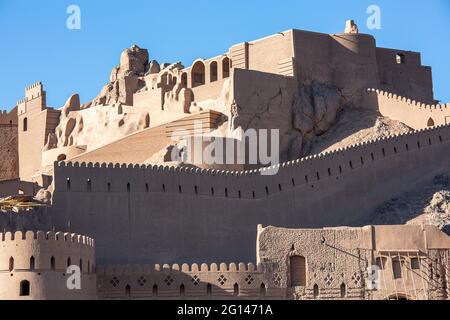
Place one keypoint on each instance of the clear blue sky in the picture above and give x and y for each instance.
(37, 46)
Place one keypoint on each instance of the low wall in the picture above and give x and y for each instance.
(234, 281)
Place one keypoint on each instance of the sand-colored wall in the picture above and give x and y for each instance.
(40, 122)
(413, 113)
(46, 282)
(168, 214)
(340, 256)
(226, 281)
(410, 79)
(9, 163)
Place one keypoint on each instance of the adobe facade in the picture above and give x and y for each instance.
(104, 169)
(369, 263)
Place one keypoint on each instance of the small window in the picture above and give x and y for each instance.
(69, 262)
(415, 263)
(89, 185)
(24, 288)
(400, 58)
(25, 124)
(128, 291)
(343, 290)
(32, 264)
(316, 291)
(182, 290)
(61, 157)
(397, 268)
(155, 290)
(208, 290)
(128, 187)
(381, 262)
(52, 263)
(11, 264)
(430, 122)
(236, 289)
(263, 290)
(68, 184)
(109, 186)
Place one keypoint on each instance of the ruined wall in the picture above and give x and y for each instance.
(168, 214)
(413, 113)
(42, 260)
(9, 163)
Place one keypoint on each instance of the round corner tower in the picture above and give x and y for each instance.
(35, 266)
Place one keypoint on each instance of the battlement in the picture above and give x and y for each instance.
(413, 113)
(49, 251)
(34, 85)
(409, 102)
(185, 268)
(41, 236)
(224, 280)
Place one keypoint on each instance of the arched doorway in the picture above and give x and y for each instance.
(213, 71)
(198, 74)
(226, 67)
(298, 271)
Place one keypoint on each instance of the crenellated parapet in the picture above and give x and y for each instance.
(34, 265)
(237, 281)
(328, 166)
(411, 112)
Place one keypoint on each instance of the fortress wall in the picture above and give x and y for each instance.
(354, 64)
(31, 142)
(265, 54)
(212, 215)
(9, 161)
(410, 79)
(8, 118)
(313, 56)
(415, 114)
(47, 280)
(188, 282)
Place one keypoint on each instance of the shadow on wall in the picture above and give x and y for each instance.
(178, 285)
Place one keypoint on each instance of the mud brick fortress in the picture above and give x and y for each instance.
(358, 126)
